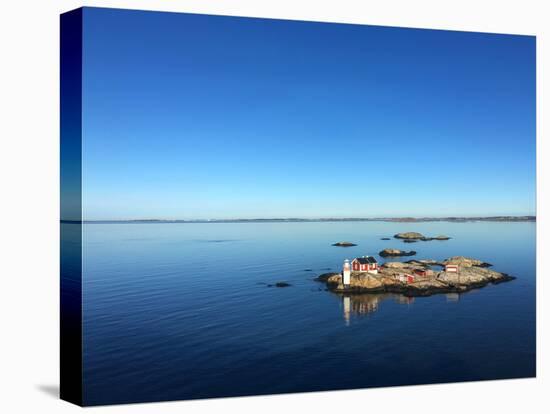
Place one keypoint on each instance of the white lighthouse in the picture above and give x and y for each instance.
(346, 274)
(347, 309)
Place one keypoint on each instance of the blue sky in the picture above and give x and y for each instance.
(190, 116)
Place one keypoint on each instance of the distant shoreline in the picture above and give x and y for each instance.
(320, 220)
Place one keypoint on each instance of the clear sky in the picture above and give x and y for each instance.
(190, 116)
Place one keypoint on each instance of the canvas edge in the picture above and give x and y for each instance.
(71, 384)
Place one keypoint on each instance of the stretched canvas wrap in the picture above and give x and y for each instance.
(258, 206)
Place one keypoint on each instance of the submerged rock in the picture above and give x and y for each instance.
(396, 253)
(344, 244)
(385, 238)
(280, 285)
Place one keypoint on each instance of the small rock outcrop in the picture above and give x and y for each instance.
(326, 276)
(411, 235)
(344, 244)
(423, 262)
(471, 276)
(395, 253)
(465, 262)
(395, 265)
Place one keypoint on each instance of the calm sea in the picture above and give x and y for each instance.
(178, 311)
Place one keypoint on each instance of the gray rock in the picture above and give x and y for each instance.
(344, 244)
(395, 265)
(326, 276)
(463, 262)
(395, 253)
(411, 235)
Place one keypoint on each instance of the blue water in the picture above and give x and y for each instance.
(179, 311)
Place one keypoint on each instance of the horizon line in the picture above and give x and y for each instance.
(527, 217)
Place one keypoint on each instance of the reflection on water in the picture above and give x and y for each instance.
(364, 304)
(452, 297)
(367, 303)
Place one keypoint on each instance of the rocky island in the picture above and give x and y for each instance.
(424, 277)
(395, 253)
(413, 236)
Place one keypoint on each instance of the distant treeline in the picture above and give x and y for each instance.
(331, 219)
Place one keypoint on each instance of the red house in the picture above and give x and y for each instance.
(423, 272)
(365, 264)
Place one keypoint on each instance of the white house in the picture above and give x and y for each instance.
(451, 268)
